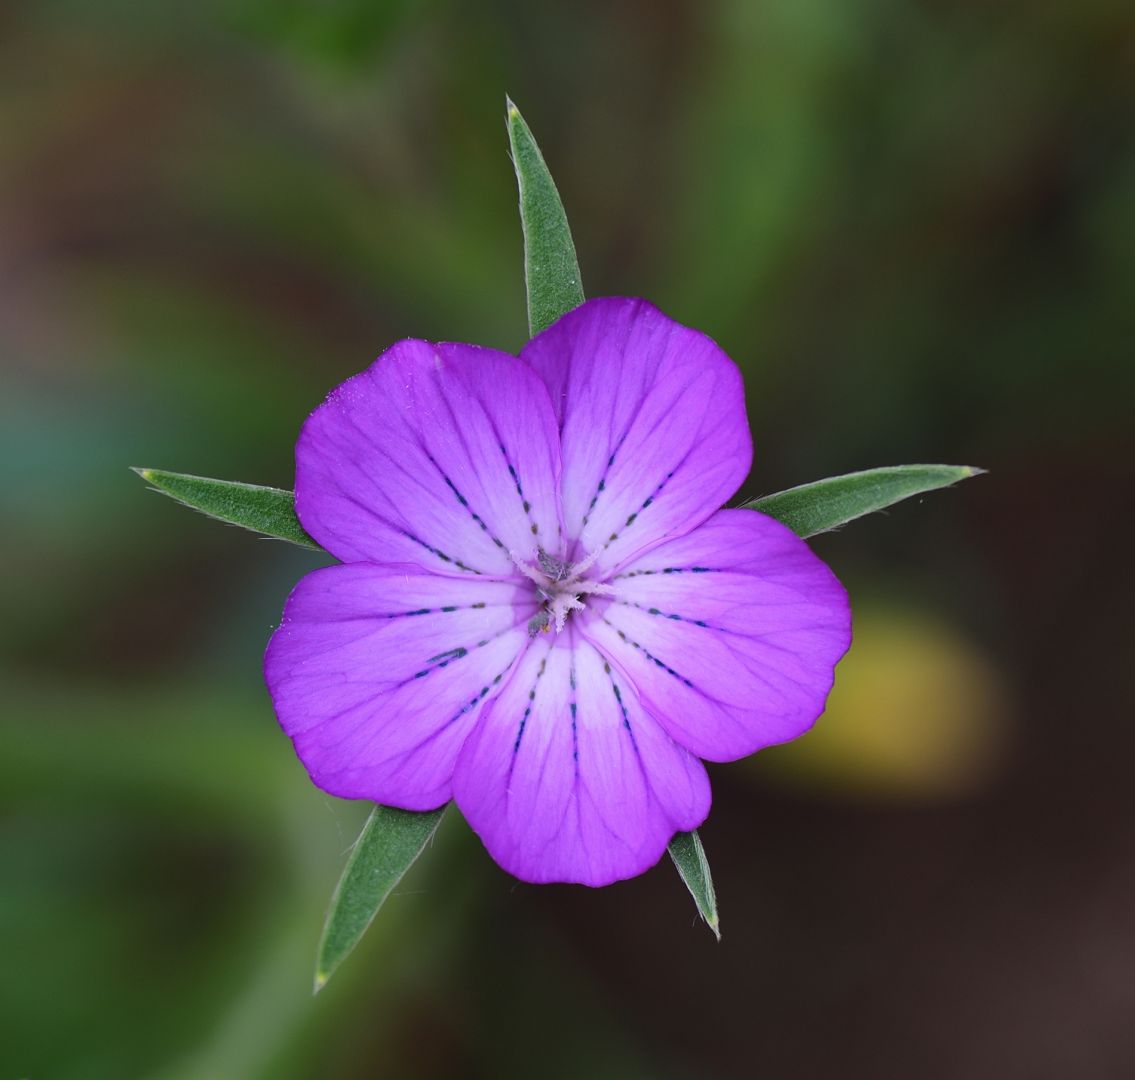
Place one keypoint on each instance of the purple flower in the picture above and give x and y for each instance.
(541, 610)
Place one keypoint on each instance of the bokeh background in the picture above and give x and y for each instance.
(913, 225)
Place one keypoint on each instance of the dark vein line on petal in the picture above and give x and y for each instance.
(527, 712)
(403, 531)
(602, 486)
(460, 430)
(622, 707)
(527, 506)
(671, 570)
(475, 701)
(658, 613)
(447, 609)
(464, 501)
(441, 554)
(574, 708)
(394, 688)
(395, 464)
(648, 654)
(459, 652)
(647, 784)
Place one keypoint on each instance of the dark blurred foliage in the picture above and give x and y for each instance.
(912, 223)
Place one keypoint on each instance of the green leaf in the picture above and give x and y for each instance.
(267, 510)
(689, 857)
(827, 504)
(551, 269)
(387, 847)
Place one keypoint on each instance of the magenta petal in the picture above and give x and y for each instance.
(446, 456)
(731, 634)
(566, 777)
(652, 419)
(379, 673)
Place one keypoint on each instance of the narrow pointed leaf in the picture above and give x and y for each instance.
(387, 847)
(827, 504)
(267, 510)
(551, 269)
(689, 857)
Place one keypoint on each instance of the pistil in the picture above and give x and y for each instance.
(561, 587)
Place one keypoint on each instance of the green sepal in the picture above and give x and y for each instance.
(266, 510)
(551, 269)
(689, 857)
(826, 504)
(387, 847)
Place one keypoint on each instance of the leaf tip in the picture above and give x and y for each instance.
(145, 474)
(715, 925)
(320, 981)
(973, 470)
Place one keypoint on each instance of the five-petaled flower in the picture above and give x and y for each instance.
(541, 611)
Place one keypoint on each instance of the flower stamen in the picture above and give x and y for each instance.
(560, 587)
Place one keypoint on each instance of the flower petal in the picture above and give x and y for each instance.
(566, 777)
(445, 456)
(731, 634)
(652, 420)
(379, 672)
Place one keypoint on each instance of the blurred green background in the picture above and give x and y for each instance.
(912, 224)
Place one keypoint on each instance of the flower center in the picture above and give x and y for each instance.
(561, 588)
